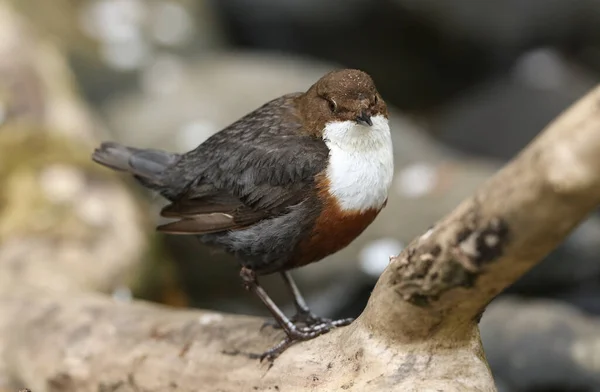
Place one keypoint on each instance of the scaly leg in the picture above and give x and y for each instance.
(303, 314)
(293, 332)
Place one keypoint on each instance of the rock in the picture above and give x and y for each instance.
(567, 268)
(414, 65)
(261, 18)
(55, 219)
(65, 224)
(499, 117)
(584, 295)
(36, 84)
(112, 44)
(422, 53)
(498, 25)
(541, 345)
(508, 24)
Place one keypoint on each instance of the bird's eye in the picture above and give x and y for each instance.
(332, 105)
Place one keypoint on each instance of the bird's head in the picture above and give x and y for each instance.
(343, 96)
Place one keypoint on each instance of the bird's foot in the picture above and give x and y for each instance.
(300, 319)
(299, 334)
(308, 319)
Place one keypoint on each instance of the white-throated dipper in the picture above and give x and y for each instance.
(288, 184)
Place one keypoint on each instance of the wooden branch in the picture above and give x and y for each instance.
(450, 274)
(90, 343)
(418, 332)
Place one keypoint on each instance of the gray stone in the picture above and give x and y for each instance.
(541, 345)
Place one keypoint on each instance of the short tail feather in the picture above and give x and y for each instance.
(145, 164)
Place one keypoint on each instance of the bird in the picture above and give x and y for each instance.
(286, 185)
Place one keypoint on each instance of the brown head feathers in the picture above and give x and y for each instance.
(342, 95)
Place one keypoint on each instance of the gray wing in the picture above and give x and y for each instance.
(252, 170)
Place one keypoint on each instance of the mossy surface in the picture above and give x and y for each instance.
(26, 210)
(25, 152)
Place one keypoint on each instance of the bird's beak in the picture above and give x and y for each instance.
(364, 119)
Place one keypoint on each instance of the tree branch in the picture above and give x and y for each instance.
(418, 332)
(450, 274)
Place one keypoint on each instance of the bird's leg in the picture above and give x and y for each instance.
(251, 284)
(294, 333)
(303, 313)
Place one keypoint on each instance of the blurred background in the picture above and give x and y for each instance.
(469, 84)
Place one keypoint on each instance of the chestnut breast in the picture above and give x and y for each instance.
(353, 188)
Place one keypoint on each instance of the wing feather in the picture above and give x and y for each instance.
(252, 170)
(200, 224)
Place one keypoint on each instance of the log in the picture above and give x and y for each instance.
(418, 332)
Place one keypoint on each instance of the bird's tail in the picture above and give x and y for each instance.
(147, 165)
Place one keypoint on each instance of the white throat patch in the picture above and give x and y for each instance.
(361, 163)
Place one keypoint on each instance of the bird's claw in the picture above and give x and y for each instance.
(299, 334)
(276, 350)
(309, 319)
(305, 320)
